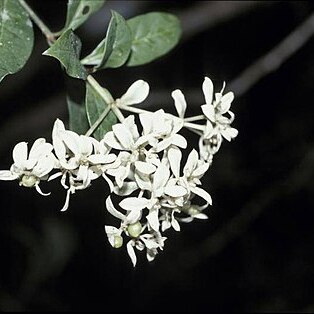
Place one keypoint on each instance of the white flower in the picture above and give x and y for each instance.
(81, 159)
(163, 127)
(31, 168)
(152, 242)
(218, 124)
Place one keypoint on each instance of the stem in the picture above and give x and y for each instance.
(195, 118)
(132, 109)
(41, 25)
(104, 93)
(92, 129)
(118, 113)
(194, 126)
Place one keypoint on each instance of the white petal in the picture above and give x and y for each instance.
(208, 90)
(209, 112)
(175, 191)
(165, 225)
(86, 146)
(7, 175)
(123, 135)
(136, 93)
(58, 145)
(20, 154)
(200, 171)
(40, 148)
(111, 209)
(111, 185)
(147, 122)
(179, 141)
(129, 122)
(191, 163)
(110, 230)
(38, 189)
(175, 224)
(142, 182)
(121, 175)
(160, 178)
(179, 102)
(54, 176)
(101, 159)
(134, 216)
(200, 216)
(43, 167)
(153, 220)
(131, 203)
(226, 101)
(162, 145)
(202, 193)
(67, 200)
(145, 167)
(131, 252)
(112, 141)
(71, 140)
(174, 156)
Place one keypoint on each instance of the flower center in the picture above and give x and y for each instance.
(135, 229)
(28, 181)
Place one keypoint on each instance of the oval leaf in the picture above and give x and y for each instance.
(67, 50)
(114, 50)
(95, 106)
(16, 37)
(154, 34)
(78, 11)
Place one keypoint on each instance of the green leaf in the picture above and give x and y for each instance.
(79, 11)
(95, 106)
(67, 50)
(77, 117)
(16, 37)
(114, 50)
(154, 34)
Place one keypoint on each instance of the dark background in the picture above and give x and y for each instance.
(255, 253)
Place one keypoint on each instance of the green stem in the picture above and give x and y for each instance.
(98, 122)
(104, 93)
(106, 96)
(41, 25)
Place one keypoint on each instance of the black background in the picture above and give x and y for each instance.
(255, 253)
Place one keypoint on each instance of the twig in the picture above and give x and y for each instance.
(274, 58)
(41, 25)
(208, 14)
(258, 69)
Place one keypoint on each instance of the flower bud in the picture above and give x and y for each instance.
(118, 241)
(193, 211)
(28, 181)
(135, 229)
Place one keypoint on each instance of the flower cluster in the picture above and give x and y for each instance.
(140, 159)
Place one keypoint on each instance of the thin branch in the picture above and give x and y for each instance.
(37, 20)
(259, 69)
(207, 14)
(274, 58)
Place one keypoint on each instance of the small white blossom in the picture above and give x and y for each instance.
(81, 159)
(219, 119)
(30, 168)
